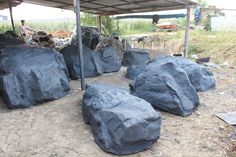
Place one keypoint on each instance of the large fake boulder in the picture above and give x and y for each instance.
(91, 37)
(9, 38)
(30, 75)
(110, 60)
(95, 62)
(112, 41)
(167, 87)
(121, 123)
(200, 77)
(92, 62)
(135, 57)
(134, 70)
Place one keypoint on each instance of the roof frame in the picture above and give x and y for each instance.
(114, 7)
(129, 6)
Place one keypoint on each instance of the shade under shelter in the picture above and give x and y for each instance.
(114, 7)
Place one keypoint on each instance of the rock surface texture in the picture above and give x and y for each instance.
(95, 62)
(92, 62)
(167, 87)
(135, 57)
(30, 75)
(134, 70)
(91, 37)
(9, 38)
(200, 77)
(121, 123)
(110, 60)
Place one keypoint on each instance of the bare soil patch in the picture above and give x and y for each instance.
(56, 128)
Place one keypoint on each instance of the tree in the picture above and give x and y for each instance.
(202, 3)
(109, 24)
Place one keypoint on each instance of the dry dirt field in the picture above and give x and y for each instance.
(56, 129)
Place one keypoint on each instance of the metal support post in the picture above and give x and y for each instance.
(11, 14)
(80, 46)
(100, 23)
(187, 30)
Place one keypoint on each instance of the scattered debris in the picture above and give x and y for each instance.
(194, 56)
(43, 39)
(211, 65)
(203, 60)
(228, 117)
(177, 55)
(121, 123)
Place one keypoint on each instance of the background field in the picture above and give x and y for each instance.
(220, 46)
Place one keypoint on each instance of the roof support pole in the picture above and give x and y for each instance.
(80, 46)
(187, 30)
(100, 23)
(12, 21)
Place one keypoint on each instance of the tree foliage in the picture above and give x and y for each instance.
(109, 24)
(203, 3)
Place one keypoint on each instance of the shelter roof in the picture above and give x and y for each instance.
(5, 3)
(114, 7)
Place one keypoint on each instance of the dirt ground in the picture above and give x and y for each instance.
(56, 129)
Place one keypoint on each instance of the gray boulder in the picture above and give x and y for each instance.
(92, 62)
(200, 77)
(91, 37)
(110, 60)
(95, 62)
(134, 70)
(167, 87)
(135, 57)
(9, 38)
(121, 123)
(30, 75)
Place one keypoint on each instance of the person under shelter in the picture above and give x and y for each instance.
(24, 32)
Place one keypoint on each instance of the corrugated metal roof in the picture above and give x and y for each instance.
(113, 7)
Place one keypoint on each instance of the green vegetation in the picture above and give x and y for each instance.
(5, 26)
(49, 26)
(129, 27)
(220, 46)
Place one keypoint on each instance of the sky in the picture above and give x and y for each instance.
(30, 11)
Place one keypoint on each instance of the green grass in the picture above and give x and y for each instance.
(129, 27)
(46, 26)
(5, 26)
(220, 46)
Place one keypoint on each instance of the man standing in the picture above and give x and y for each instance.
(24, 31)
